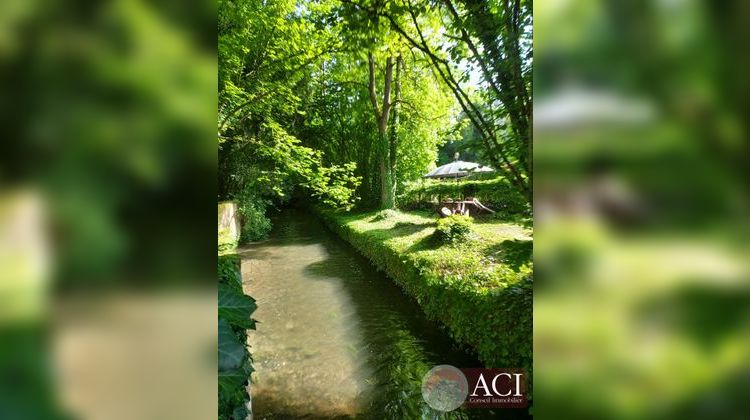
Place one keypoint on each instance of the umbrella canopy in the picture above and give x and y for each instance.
(457, 169)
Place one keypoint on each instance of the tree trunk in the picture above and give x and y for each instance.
(394, 126)
(385, 176)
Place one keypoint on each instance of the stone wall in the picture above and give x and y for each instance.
(229, 223)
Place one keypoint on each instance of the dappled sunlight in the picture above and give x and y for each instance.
(343, 108)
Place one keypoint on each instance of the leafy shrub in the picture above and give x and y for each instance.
(453, 229)
(385, 215)
(252, 208)
(226, 242)
(255, 223)
(235, 362)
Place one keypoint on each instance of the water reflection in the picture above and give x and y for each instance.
(335, 338)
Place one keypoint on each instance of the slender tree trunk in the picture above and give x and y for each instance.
(384, 173)
(366, 186)
(394, 126)
(387, 199)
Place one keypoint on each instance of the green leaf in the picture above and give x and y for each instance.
(231, 380)
(231, 351)
(240, 412)
(236, 307)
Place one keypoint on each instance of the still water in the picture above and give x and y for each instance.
(335, 338)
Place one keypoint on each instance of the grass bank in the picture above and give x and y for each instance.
(480, 289)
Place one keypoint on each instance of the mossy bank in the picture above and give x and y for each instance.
(480, 289)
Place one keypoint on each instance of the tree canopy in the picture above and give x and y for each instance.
(346, 101)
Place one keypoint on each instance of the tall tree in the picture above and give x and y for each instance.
(382, 113)
(501, 36)
(394, 124)
(488, 35)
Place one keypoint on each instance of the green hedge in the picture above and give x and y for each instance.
(235, 362)
(489, 311)
(497, 194)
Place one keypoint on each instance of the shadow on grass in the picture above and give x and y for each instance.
(401, 229)
(426, 243)
(513, 252)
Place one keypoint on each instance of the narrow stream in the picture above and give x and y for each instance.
(335, 338)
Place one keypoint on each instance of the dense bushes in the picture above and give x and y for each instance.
(256, 223)
(498, 194)
(484, 303)
(453, 229)
(252, 208)
(235, 309)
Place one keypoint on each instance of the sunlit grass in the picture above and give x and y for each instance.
(490, 248)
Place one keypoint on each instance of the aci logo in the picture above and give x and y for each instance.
(445, 388)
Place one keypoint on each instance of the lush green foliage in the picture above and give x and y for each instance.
(348, 102)
(320, 95)
(226, 242)
(491, 39)
(265, 54)
(114, 103)
(453, 229)
(235, 362)
(340, 117)
(666, 321)
(481, 291)
(252, 207)
(496, 194)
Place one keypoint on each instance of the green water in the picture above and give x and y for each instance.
(335, 338)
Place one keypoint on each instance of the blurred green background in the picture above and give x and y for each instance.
(107, 208)
(642, 301)
(105, 111)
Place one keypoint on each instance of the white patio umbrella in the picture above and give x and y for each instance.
(457, 169)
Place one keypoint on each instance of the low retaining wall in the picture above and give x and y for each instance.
(496, 324)
(229, 224)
